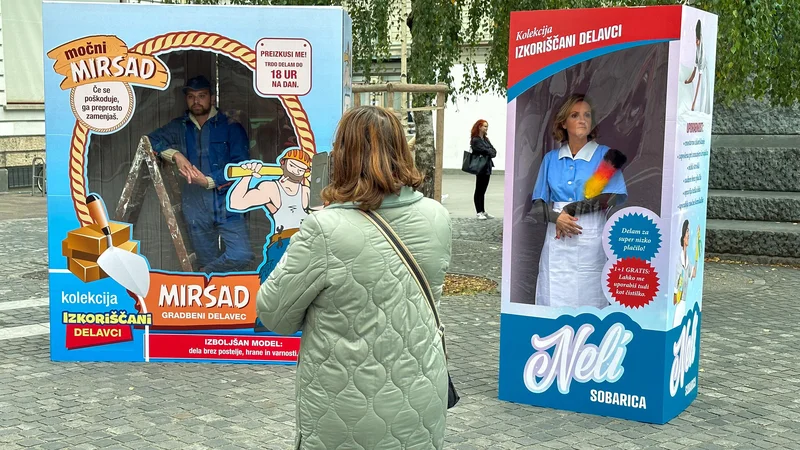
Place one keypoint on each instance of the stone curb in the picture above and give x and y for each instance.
(755, 169)
(763, 239)
(754, 205)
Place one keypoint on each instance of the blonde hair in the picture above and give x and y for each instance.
(370, 159)
(559, 133)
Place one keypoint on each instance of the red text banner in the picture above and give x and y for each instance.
(540, 38)
(82, 336)
(224, 347)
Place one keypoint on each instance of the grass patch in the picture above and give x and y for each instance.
(467, 285)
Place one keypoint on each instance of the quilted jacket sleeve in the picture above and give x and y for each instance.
(295, 282)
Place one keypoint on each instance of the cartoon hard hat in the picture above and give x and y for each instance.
(298, 155)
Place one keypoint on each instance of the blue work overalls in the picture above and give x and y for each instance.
(210, 148)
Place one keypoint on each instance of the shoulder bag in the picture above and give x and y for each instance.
(419, 276)
(473, 163)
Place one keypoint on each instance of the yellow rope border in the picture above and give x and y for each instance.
(76, 176)
(182, 41)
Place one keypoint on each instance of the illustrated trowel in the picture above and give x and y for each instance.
(128, 269)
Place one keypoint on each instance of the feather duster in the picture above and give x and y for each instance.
(612, 161)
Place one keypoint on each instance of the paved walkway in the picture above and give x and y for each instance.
(749, 386)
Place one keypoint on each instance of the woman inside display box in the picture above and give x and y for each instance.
(577, 184)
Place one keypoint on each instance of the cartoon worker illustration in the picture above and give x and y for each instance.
(686, 272)
(286, 198)
(700, 64)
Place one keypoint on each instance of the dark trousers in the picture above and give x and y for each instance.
(205, 233)
(481, 183)
(207, 222)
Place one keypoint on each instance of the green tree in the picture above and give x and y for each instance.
(757, 41)
(758, 44)
(435, 47)
(436, 43)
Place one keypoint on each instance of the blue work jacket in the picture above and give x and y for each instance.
(219, 142)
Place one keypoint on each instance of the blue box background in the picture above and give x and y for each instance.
(326, 28)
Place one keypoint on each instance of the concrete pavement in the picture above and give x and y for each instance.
(19, 204)
(749, 387)
(458, 189)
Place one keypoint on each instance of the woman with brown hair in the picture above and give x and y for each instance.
(480, 145)
(572, 259)
(371, 371)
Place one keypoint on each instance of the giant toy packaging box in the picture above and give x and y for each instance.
(609, 129)
(179, 148)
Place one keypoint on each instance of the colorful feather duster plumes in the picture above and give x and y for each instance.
(612, 161)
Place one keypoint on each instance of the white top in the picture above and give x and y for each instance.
(291, 213)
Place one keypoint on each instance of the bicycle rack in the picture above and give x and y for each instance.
(43, 176)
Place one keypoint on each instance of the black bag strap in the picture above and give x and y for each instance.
(410, 263)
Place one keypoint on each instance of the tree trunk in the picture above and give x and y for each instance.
(425, 150)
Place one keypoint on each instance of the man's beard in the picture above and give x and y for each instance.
(200, 110)
(292, 177)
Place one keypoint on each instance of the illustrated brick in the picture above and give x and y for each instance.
(87, 271)
(90, 239)
(130, 246)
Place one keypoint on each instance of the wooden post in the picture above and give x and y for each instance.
(413, 88)
(437, 181)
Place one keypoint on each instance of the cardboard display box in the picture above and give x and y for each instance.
(609, 128)
(130, 90)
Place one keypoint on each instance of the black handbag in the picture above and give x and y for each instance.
(473, 163)
(419, 276)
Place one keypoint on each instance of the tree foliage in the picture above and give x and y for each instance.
(436, 42)
(436, 37)
(757, 44)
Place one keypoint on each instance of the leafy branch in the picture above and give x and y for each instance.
(757, 44)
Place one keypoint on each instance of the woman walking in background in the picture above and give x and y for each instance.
(480, 145)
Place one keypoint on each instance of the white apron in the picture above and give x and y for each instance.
(703, 104)
(571, 269)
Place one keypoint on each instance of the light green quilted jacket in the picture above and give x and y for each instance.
(371, 373)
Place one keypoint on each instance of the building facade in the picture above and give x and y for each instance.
(21, 91)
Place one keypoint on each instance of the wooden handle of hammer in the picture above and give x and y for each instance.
(266, 171)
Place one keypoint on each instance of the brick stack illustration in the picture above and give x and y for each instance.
(84, 245)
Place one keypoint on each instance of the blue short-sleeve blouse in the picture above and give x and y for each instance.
(562, 177)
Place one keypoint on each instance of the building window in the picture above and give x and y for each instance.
(23, 54)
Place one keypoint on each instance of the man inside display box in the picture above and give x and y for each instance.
(200, 144)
